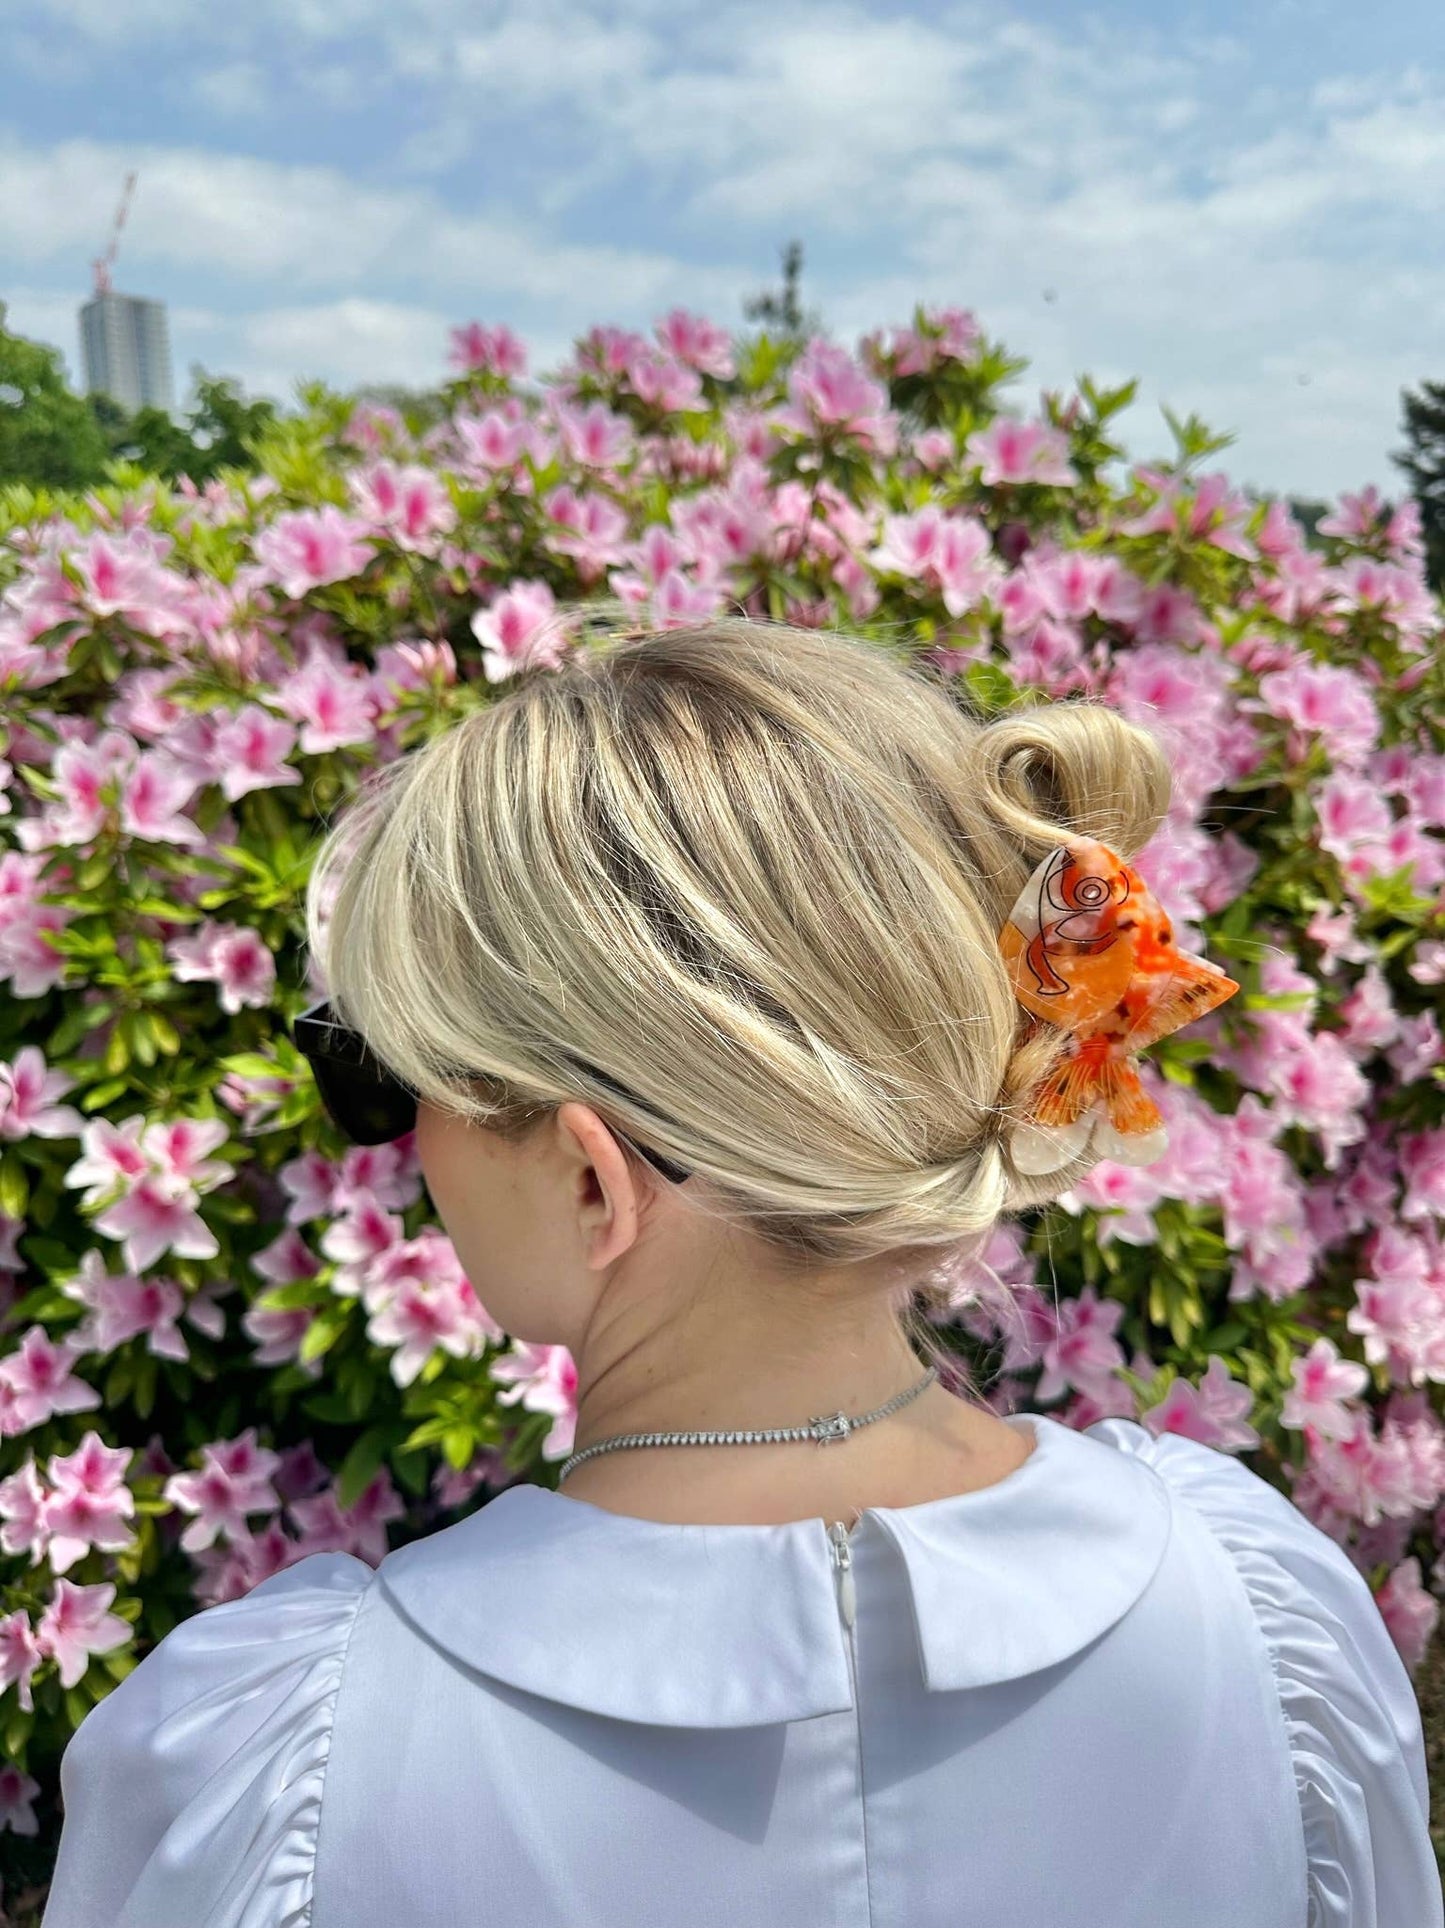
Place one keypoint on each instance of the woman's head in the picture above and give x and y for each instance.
(734, 891)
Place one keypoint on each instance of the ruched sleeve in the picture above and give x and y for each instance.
(1349, 1707)
(192, 1792)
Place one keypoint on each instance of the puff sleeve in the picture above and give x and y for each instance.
(1349, 1708)
(192, 1792)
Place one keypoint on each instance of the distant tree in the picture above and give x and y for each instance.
(219, 431)
(1307, 511)
(1423, 461)
(420, 408)
(49, 437)
(780, 311)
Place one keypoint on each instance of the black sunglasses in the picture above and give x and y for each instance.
(367, 1104)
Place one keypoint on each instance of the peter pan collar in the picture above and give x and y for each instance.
(733, 1626)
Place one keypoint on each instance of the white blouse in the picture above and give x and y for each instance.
(1128, 1686)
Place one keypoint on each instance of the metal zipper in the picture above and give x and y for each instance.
(843, 1565)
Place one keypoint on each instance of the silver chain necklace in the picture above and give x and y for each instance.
(826, 1427)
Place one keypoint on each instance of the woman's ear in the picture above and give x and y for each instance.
(607, 1188)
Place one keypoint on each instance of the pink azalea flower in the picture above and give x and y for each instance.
(310, 1181)
(389, 1172)
(490, 441)
(663, 382)
(109, 1154)
(1353, 819)
(355, 1240)
(91, 1502)
(1321, 1380)
(331, 700)
(517, 631)
(410, 504)
(1409, 1612)
(593, 529)
(17, 1795)
(20, 1655)
(251, 749)
(941, 335)
(234, 1479)
(419, 1316)
(27, 1099)
(36, 1382)
(125, 579)
(594, 436)
(23, 1501)
(1212, 1412)
(308, 547)
(1422, 1167)
(359, 1529)
(152, 794)
(288, 1257)
(700, 343)
(123, 1307)
(493, 351)
(949, 552)
(544, 1379)
(607, 350)
(1010, 452)
(158, 1215)
(230, 956)
(1082, 1352)
(1326, 700)
(678, 601)
(76, 1624)
(278, 1333)
(177, 1149)
(27, 959)
(829, 391)
(1215, 513)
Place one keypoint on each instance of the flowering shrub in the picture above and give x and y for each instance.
(230, 1341)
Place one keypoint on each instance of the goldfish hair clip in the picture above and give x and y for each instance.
(1089, 948)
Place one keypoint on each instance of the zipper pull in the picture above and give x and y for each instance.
(843, 1561)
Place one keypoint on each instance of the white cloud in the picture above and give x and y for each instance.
(246, 218)
(240, 89)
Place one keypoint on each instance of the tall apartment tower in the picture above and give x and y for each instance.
(126, 349)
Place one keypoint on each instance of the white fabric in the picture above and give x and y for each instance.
(1128, 1685)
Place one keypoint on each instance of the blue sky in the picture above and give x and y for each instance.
(1241, 206)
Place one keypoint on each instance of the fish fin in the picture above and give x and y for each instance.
(1108, 1084)
(1192, 988)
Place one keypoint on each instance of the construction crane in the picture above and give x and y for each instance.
(106, 262)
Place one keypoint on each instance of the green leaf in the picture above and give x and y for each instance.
(329, 1407)
(97, 867)
(250, 1064)
(410, 1470)
(142, 1036)
(118, 1382)
(145, 1385)
(167, 1038)
(116, 1056)
(14, 1186)
(287, 1298)
(459, 1443)
(322, 1333)
(359, 1467)
(18, 1725)
(104, 1094)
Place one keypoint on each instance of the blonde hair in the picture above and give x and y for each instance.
(738, 887)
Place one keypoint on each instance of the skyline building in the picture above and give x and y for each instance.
(125, 349)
